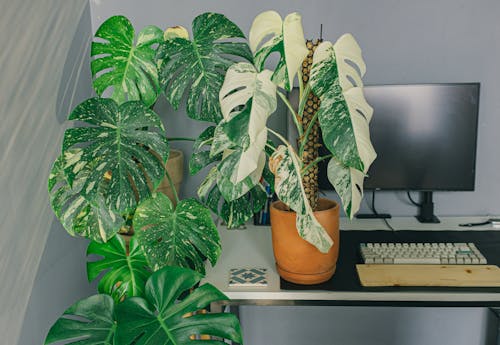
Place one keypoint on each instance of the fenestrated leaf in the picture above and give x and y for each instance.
(159, 320)
(288, 184)
(232, 191)
(179, 237)
(119, 150)
(129, 69)
(199, 65)
(89, 321)
(286, 38)
(344, 117)
(348, 184)
(245, 87)
(126, 273)
(344, 114)
(92, 220)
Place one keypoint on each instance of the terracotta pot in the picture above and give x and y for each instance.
(175, 168)
(297, 260)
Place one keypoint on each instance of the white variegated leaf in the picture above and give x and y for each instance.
(348, 184)
(288, 185)
(244, 86)
(285, 37)
(344, 114)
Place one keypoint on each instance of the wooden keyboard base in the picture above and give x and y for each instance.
(429, 275)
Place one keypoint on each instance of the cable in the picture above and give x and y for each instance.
(372, 207)
(411, 199)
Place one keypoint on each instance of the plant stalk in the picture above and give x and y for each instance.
(294, 115)
(181, 139)
(315, 162)
(172, 186)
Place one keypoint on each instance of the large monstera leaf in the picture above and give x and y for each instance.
(93, 220)
(126, 273)
(182, 237)
(288, 185)
(245, 87)
(119, 64)
(199, 65)
(286, 38)
(87, 322)
(344, 116)
(159, 320)
(118, 148)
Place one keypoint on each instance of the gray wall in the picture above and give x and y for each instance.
(403, 42)
(61, 277)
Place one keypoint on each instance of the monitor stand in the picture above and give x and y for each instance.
(426, 209)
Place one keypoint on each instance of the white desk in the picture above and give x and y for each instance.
(252, 247)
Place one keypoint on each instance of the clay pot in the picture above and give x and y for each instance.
(175, 168)
(297, 260)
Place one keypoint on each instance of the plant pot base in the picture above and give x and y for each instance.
(306, 279)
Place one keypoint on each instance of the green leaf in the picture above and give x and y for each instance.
(286, 167)
(199, 65)
(92, 220)
(130, 70)
(126, 273)
(344, 117)
(285, 37)
(182, 237)
(232, 191)
(118, 148)
(344, 114)
(200, 158)
(160, 320)
(245, 87)
(89, 321)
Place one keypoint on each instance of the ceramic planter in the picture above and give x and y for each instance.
(297, 260)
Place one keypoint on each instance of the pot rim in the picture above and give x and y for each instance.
(335, 205)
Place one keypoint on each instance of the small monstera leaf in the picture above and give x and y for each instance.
(234, 213)
(119, 150)
(92, 220)
(181, 237)
(129, 69)
(348, 183)
(199, 65)
(288, 184)
(245, 87)
(287, 38)
(126, 272)
(89, 321)
(344, 117)
(161, 319)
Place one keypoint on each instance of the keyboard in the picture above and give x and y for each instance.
(422, 253)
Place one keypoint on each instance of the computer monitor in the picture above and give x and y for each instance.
(425, 137)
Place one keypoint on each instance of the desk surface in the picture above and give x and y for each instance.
(252, 247)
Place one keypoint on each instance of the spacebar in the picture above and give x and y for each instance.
(429, 261)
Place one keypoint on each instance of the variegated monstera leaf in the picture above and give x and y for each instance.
(126, 66)
(125, 145)
(286, 38)
(344, 116)
(246, 130)
(181, 237)
(79, 216)
(288, 185)
(199, 65)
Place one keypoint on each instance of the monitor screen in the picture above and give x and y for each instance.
(424, 135)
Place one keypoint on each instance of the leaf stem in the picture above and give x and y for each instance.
(172, 186)
(280, 137)
(181, 139)
(304, 139)
(313, 163)
(292, 111)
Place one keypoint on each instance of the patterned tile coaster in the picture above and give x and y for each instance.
(239, 277)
